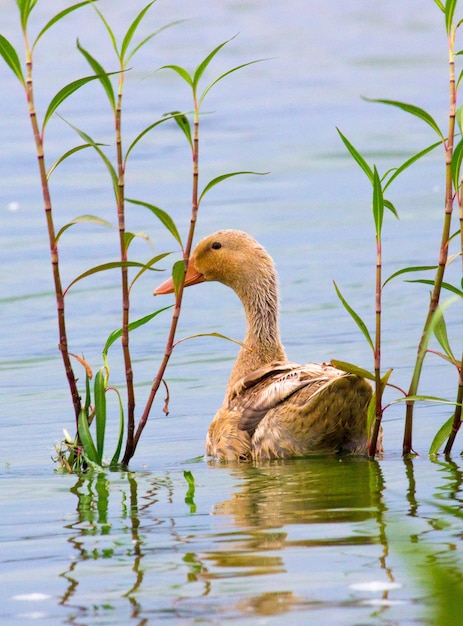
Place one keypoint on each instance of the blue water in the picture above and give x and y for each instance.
(253, 545)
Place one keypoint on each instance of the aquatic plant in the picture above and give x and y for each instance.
(84, 448)
(434, 323)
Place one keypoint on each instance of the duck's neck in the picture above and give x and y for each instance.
(262, 341)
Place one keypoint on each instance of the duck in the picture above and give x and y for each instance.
(273, 408)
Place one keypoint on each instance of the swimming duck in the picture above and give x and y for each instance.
(273, 408)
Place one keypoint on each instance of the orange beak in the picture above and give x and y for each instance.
(193, 277)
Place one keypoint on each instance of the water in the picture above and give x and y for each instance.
(339, 541)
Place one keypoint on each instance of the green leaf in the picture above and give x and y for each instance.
(360, 323)
(93, 219)
(148, 266)
(219, 335)
(391, 207)
(180, 71)
(440, 332)
(116, 334)
(104, 158)
(413, 110)
(440, 5)
(143, 133)
(350, 368)
(102, 75)
(441, 436)
(447, 286)
(120, 436)
(64, 93)
(199, 71)
(457, 158)
(219, 179)
(59, 16)
(86, 438)
(162, 216)
(184, 125)
(371, 414)
(357, 156)
(234, 69)
(67, 154)
(103, 268)
(110, 32)
(25, 8)
(410, 161)
(99, 392)
(11, 58)
(178, 275)
(405, 270)
(378, 204)
(132, 29)
(450, 6)
(149, 37)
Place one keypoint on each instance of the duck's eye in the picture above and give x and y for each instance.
(216, 245)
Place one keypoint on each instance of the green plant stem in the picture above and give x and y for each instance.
(457, 416)
(443, 254)
(38, 138)
(133, 442)
(377, 353)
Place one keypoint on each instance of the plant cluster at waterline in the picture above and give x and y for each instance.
(434, 323)
(90, 404)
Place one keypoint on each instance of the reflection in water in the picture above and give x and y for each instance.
(270, 547)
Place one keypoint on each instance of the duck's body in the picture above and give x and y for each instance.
(273, 408)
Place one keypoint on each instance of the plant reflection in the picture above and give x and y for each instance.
(162, 543)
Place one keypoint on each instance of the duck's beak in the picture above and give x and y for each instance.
(193, 277)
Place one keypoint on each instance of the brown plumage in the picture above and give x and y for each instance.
(273, 408)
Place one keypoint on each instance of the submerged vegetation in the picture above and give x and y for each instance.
(87, 446)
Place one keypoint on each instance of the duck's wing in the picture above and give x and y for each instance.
(270, 386)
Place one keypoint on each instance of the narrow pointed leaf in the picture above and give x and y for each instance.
(101, 73)
(180, 71)
(391, 207)
(116, 334)
(184, 124)
(440, 5)
(59, 16)
(93, 219)
(378, 203)
(132, 29)
(447, 286)
(397, 171)
(450, 6)
(357, 319)
(440, 332)
(148, 266)
(103, 268)
(457, 158)
(149, 37)
(109, 30)
(99, 394)
(86, 365)
(199, 71)
(64, 93)
(11, 58)
(357, 156)
(178, 275)
(371, 414)
(219, 179)
(67, 154)
(104, 158)
(413, 110)
(87, 439)
(234, 69)
(405, 270)
(218, 335)
(120, 436)
(162, 216)
(350, 368)
(144, 132)
(441, 436)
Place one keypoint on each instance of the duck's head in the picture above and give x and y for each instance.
(231, 257)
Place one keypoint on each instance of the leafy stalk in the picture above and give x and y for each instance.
(443, 253)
